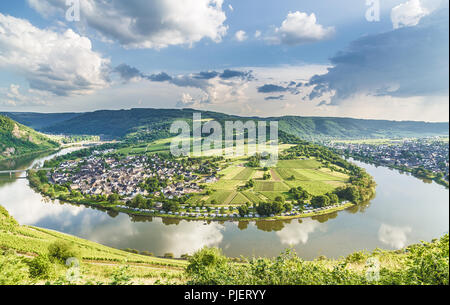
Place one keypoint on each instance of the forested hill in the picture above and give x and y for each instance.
(144, 122)
(17, 140)
(39, 120)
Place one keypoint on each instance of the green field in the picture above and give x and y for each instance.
(308, 174)
(243, 174)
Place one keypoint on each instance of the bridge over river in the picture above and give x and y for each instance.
(16, 171)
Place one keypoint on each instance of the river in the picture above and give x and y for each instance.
(405, 210)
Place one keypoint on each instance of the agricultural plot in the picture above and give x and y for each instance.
(224, 184)
(270, 196)
(244, 174)
(231, 172)
(253, 197)
(309, 163)
(307, 173)
(221, 197)
(239, 199)
(270, 186)
(313, 187)
(314, 175)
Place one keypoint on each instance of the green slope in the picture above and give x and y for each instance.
(17, 140)
(150, 124)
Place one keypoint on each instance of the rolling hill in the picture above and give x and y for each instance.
(17, 140)
(151, 123)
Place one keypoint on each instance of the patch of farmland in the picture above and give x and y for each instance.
(244, 174)
(313, 187)
(258, 174)
(310, 163)
(239, 198)
(272, 195)
(253, 197)
(230, 172)
(335, 174)
(270, 186)
(220, 196)
(224, 184)
(275, 175)
(315, 175)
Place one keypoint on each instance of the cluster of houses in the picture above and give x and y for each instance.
(99, 175)
(430, 153)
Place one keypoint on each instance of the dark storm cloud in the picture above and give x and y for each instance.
(410, 61)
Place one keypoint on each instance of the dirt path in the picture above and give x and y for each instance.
(275, 176)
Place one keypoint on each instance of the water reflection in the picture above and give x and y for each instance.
(405, 211)
(294, 235)
(393, 236)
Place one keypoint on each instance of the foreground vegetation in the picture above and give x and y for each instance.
(421, 264)
(30, 255)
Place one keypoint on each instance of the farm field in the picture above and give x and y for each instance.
(306, 173)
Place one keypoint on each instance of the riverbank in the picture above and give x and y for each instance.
(434, 178)
(30, 154)
(40, 187)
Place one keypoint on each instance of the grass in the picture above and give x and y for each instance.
(97, 260)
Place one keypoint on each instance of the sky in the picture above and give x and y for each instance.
(372, 59)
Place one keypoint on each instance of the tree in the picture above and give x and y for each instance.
(288, 206)
(113, 198)
(333, 198)
(243, 210)
(320, 201)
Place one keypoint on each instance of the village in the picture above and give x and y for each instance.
(100, 175)
(430, 154)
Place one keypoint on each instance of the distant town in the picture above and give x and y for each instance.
(425, 157)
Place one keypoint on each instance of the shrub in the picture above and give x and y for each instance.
(13, 271)
(121, 276)
(40, 267)
(169, 255)
(60, 251)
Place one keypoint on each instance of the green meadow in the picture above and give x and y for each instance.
(309, 174)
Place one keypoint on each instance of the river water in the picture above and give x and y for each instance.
(405, 210)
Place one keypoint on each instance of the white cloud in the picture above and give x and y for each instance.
(13, 97)
(61, 63)
(408, 14)
(149, 24)
(300, 28)
(240, 36)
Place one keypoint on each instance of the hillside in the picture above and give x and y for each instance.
(38, 121)
(150, 124)
(23, 244)
(27, 256)
(17, 140)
